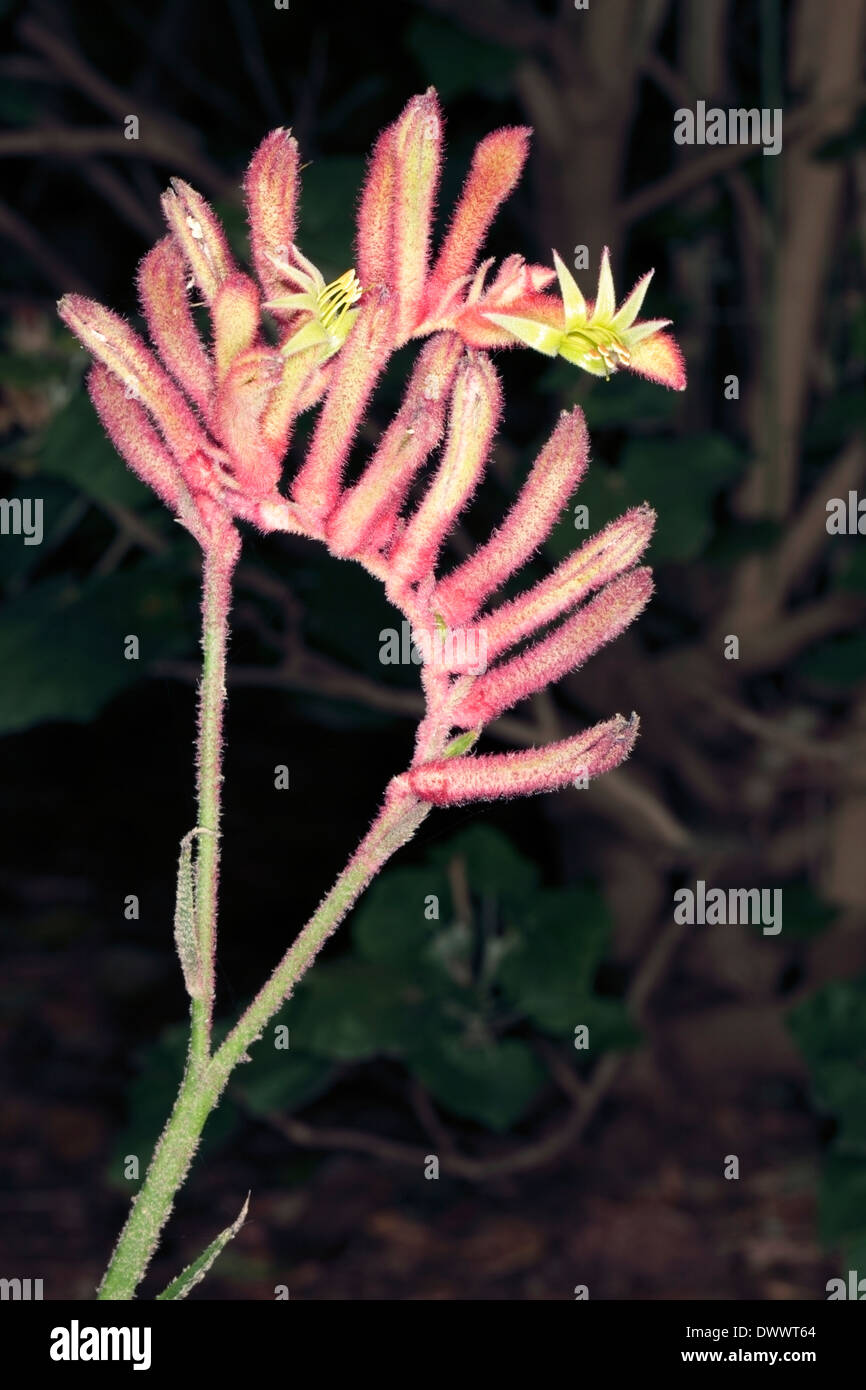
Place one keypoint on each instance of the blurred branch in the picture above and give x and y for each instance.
(811, 201)
(55, 269)
(801, 130)
(83, 142)
(71, 65)
(753, 222)
(255, 62)
(786, 638)
(773, 730)
(806, 536)
(122, 198)
(765, 581)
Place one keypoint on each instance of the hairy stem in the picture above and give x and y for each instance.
(216, 598)
(196, 1097)
(201, 1087)
(206, 1075)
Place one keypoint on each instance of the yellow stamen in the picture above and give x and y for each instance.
(335, 300)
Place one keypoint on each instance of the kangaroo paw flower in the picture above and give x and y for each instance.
(207, 425)
(496, 167)
(475, 409)
(454, 781)
(555, 474)
(271, 189)
(567, 647)
(600, 338)
(200, 236)
(162, 287)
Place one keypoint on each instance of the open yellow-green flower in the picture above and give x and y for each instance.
(599, 337)
(330, 306)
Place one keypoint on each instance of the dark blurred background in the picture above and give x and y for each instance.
(453, 1036)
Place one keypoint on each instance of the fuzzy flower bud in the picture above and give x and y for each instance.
(600, 559)
(165, 303)
(475, 410)
(271, 188)
(567, 647)
(454, 781)
(198, 232)
(412, 435)
(555, 474)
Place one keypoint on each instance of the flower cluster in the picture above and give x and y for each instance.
(208, 424)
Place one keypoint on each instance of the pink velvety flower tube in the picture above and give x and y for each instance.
(567, 647)
(128, 426)
(452, 781)
(317, 486)
(414, 432)
(556, 473)
(495, 169)
(475, 408)
(235, 315)
(615, 549)
(242, 401)
(396, 208)
(417, 158)
(164, 298)
(271, 189)
(198, 232)
(111, 341)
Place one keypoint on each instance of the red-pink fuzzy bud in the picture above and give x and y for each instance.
(474, 414)
(452, 781)
(165, 302)
(288, 398)
(271, 187)
(556, 473)
(567, 647)
(235, 315)
(241, 402)
(356, 367)
(133, 436)
(374, 242)
(111, 341)
(495, 169)
(615, 549)
(477, 329)
(417, 159)
(199, 233)
(396, 208)
(412, 435)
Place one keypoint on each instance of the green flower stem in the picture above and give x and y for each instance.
(168, 1168)
(201, 1087)
(216, 598)
(206, 1075)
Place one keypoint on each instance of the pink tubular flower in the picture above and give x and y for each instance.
(547, 769)
(557, 472)
(207, 424)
